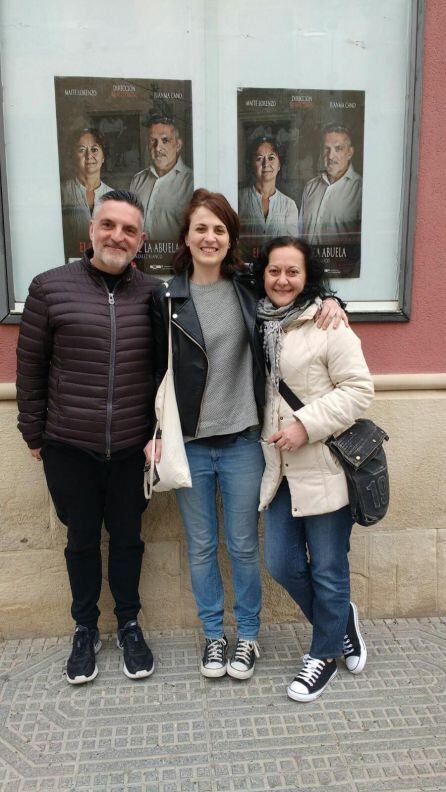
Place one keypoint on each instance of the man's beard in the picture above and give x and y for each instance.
(117, 260)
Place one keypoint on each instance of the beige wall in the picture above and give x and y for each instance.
(398, 567)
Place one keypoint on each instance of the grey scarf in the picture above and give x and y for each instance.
(274, 322)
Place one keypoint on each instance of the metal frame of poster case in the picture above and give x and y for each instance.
(409, 185)
(410, 176)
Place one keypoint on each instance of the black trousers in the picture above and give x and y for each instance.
(87, 492)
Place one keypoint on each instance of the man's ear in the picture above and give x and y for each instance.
(179, 145)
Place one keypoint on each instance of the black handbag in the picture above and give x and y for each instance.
(360, 452)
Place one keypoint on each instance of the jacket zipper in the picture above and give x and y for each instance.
(207, 370)
(111, 376)
(111, 370)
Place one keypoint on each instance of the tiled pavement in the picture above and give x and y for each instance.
(384, 730)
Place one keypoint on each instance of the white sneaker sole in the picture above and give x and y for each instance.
(212, 673)
(143, 674)
(303, 697)
(236, 674)
(80, 680)
(363, 657)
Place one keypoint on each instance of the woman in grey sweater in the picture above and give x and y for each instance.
(220, 385)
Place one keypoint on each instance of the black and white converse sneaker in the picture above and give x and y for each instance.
(138, 659)
(213, 663)
(312, 679)
(354, 648)
(81, 664)
(242, 663)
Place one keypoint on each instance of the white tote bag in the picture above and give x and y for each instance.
(172, 471)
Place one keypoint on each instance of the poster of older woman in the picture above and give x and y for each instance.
(83, 189)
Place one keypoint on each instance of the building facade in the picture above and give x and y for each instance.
(399, 566)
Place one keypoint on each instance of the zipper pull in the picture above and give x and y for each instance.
(111, 299)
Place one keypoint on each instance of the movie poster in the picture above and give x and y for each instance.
(300, 158)
(125, 134)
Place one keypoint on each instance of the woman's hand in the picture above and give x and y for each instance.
(291, 438)
(148, 451)
(329, 313)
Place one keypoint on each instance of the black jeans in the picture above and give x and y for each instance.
(86, 492)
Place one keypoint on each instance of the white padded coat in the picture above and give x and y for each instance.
(327, 371)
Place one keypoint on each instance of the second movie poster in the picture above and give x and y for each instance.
(125, 134)
(300, 172)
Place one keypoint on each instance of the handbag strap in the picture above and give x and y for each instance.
(286, 393)
(148, 486)
(290, 397)
(169, 353)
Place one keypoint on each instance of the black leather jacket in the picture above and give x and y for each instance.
(190, 363)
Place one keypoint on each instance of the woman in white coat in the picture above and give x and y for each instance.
(304, 491)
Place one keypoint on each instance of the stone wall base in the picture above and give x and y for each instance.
(398, 567)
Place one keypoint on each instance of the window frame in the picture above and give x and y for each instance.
(8, 308)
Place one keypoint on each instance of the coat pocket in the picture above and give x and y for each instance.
(329, 459)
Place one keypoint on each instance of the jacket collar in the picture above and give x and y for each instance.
(186, 315)
(178, 286)
(306, 316)
(127, 274)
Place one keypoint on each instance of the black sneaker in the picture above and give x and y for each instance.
(312, 679)
(81, 664)
(242, 663)
(354, 648)
(213, 663)
(138, 659)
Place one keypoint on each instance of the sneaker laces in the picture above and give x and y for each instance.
(243, 651)
(311, 670)
(132, 632)
(347, 646)
(215, 650)
(81, 640)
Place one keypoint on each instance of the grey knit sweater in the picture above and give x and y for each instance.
(228, 402)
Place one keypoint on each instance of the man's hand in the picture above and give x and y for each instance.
(329, 313)
(291, 438)
(35, 453)
(148, 451)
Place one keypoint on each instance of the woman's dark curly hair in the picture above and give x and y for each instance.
(316, 284)
(219, 206)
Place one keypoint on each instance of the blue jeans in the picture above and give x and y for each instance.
(237, 469)
(308, 556)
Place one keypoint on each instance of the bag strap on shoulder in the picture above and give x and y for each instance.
(290, 397)
(285, 391)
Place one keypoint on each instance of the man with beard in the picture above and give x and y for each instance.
(85, 390)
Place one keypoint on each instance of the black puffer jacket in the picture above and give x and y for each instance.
(190, 363)
(85, 360)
